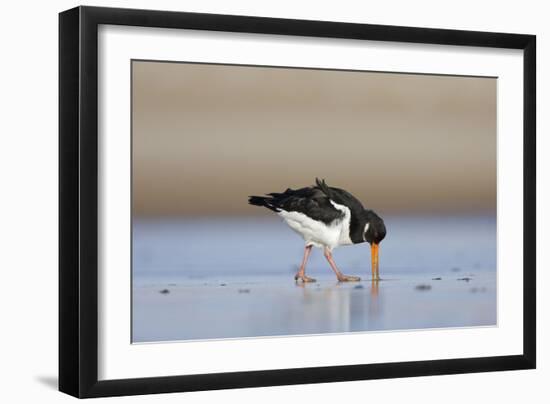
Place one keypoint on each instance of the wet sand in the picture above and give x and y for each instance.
(212, 308)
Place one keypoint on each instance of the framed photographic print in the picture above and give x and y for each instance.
(250, 201)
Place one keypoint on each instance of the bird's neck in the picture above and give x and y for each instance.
(357, 224)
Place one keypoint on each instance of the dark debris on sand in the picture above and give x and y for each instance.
(436, 279)
(164, 291)
(244, 290)
(465, 279)
(423, 287)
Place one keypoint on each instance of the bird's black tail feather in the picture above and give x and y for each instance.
(262, 201)
(322, 185)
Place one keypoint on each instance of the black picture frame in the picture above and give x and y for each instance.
(78, 201)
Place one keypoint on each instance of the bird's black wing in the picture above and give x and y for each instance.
(359, 216)
(310, 201)
(340, 196)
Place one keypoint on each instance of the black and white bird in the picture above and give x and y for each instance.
(326, 217)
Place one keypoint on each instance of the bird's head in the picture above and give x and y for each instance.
(375, 231)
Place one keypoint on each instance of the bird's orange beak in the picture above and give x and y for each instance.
(374, 248)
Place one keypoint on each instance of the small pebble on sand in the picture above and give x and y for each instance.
(164, 291)
(423, 287)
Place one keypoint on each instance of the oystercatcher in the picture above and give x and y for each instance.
(326, 217)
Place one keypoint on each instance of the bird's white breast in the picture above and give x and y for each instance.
(318, 233)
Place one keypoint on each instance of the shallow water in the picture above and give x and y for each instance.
(230, 278)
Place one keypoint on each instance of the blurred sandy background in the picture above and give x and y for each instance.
(207, 136)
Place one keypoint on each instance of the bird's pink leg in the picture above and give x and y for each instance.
(341, 277)
(301, 275)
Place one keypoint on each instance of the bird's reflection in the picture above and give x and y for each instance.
(374, 306)
(374, 288)
(339, 306)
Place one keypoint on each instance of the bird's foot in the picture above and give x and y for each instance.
(303, 278)
(348, 278)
